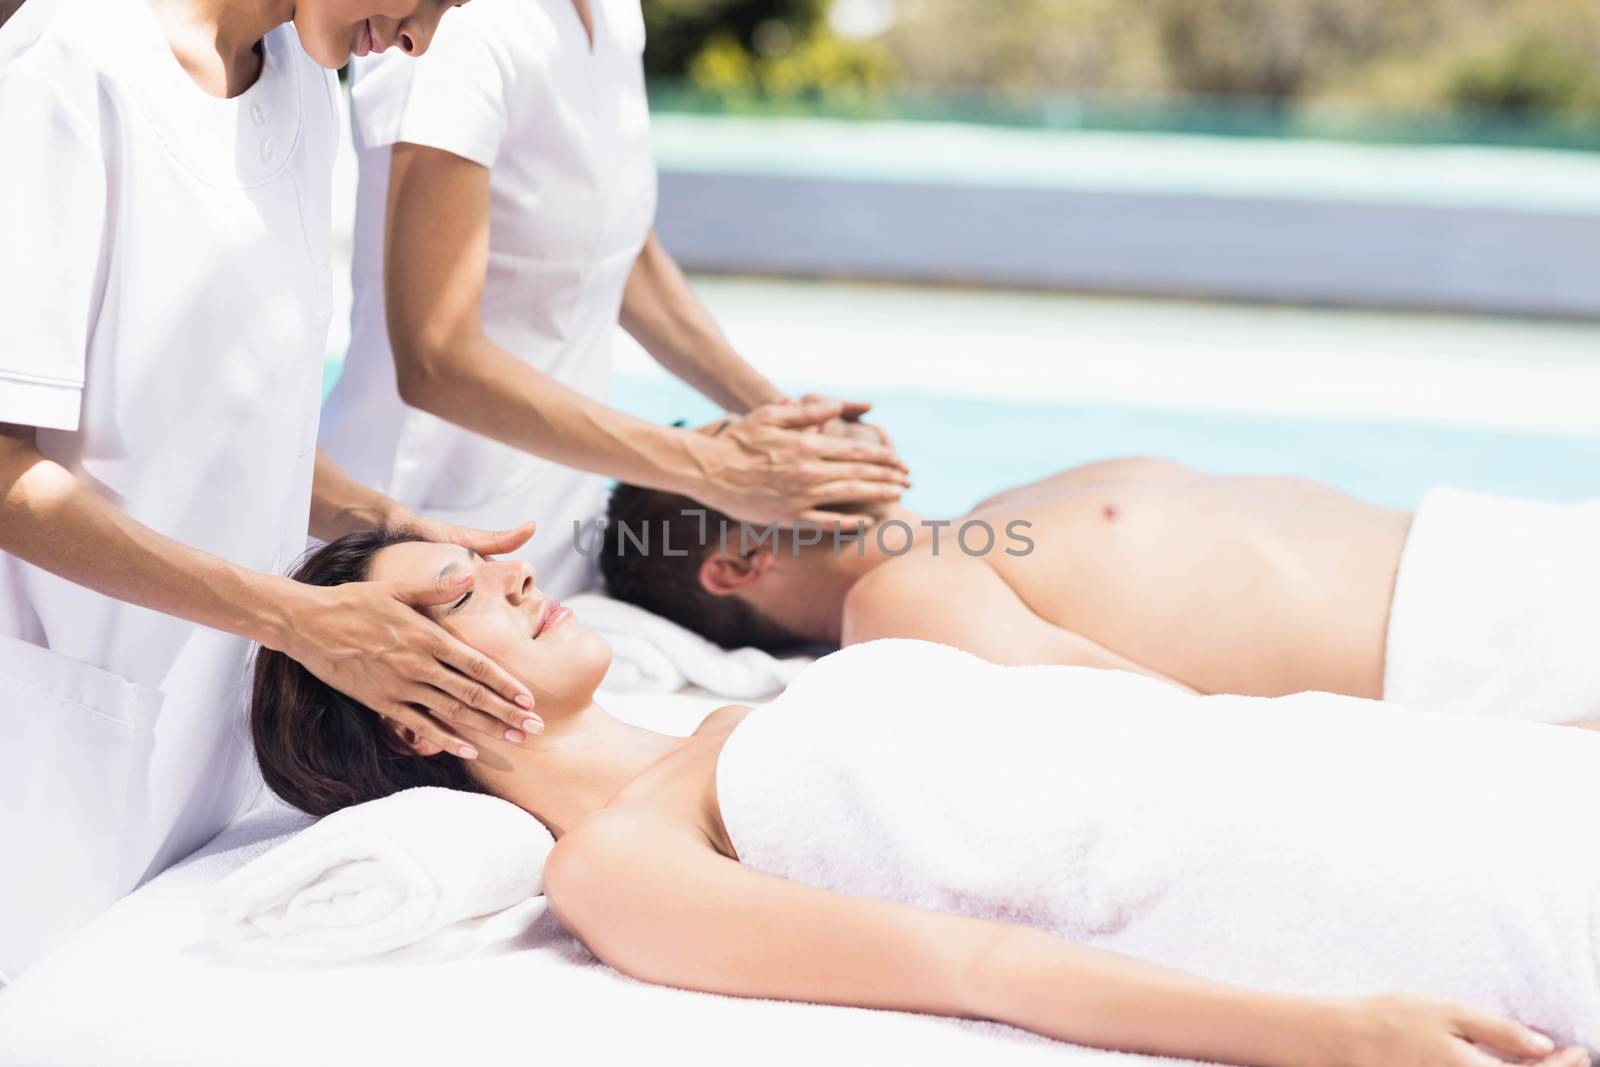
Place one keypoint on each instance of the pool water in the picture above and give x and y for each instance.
(961, 449)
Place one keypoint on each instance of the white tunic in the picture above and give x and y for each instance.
(513, 85)
(164, 299)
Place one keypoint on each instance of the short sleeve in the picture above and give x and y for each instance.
(53, 216)
(453, 97)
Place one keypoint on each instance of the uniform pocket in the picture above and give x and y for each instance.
(74, 775)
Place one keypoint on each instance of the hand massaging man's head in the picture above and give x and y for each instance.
(667, 554)
(321, 751)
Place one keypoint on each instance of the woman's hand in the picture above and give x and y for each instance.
(483, 542)
(370, 641)
(765, 467)
(1402, 1031)
(848, 422)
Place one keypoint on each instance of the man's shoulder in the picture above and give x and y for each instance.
(917, 569)
(901, 596)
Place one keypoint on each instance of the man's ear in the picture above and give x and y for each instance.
(403, 738)
(726, 572)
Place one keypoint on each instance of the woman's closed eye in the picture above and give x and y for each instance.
(457, 605)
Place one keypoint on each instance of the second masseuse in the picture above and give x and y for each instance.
(507, 193)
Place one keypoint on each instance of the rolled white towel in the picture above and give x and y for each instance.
(382, 876)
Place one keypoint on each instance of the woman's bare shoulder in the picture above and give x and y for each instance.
(722, 719)
(598, 865)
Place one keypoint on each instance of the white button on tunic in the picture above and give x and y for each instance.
(513, 85)
(164, 298)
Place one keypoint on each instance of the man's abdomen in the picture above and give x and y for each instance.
(1260, 586)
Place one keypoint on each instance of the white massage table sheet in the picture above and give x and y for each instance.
(137, 989)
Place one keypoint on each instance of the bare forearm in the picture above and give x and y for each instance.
(483, 388)
(341, 505)
(1079, 994)
(664, 315)
(51, 520)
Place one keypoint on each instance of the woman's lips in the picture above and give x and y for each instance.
(554, 614)
(364, 39)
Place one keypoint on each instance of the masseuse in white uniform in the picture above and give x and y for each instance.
(164, 296)
(504, 226)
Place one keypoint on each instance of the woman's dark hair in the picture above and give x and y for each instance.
(317, 748)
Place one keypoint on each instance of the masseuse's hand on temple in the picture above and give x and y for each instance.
(369, 641)
(769, 468)
(1401, 1031)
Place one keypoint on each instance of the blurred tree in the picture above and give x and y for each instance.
(1071, 45)
(1531, 74)
(774, 48)
(1520, 58)
(678, 30)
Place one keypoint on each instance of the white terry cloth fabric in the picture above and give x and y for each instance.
(1497, 609)
(385, 875)
(1314, 844)
(650, 654)
(159, 1001)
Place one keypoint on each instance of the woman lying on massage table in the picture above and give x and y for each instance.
(1087, 854)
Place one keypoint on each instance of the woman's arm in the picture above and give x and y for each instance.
(650, 897)
(663, 314)
(435, 261)
(365, 639)
(341, 505)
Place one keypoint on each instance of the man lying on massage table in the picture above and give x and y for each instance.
(1259, 586)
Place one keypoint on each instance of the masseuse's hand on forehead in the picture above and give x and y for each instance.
(373, 641)
(483, 542)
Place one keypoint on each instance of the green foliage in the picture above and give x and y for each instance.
(1532, 74)
(769, 49)
(1523, 60)
(679, 30)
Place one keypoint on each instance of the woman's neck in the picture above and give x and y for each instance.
(217, 41)
(574, 768)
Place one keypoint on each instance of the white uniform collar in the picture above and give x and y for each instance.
(240, 142)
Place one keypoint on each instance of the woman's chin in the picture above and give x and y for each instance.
(568, 668)
(328, 50)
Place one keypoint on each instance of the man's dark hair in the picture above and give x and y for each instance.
(640, 525)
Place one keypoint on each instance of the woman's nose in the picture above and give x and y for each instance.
(416, 34)
(519, 575)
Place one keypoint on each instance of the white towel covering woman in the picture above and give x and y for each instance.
(164, 297)
(504, 227)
